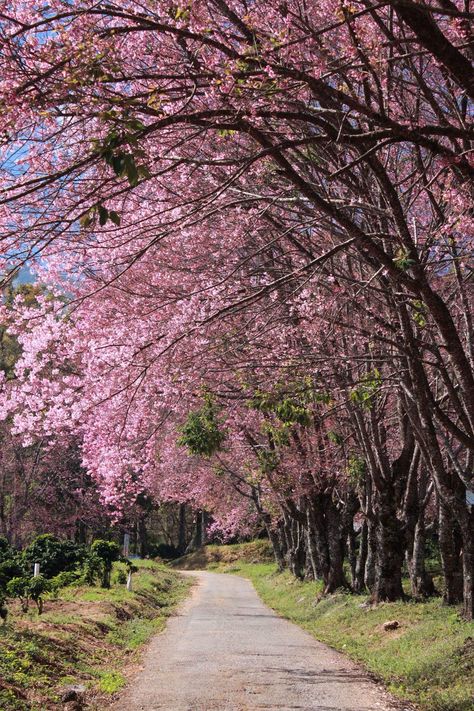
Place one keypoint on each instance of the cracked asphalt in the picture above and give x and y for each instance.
(227, 651)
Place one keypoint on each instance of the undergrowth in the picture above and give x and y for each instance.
(85, 636)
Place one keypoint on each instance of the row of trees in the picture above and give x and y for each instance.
(255, 224)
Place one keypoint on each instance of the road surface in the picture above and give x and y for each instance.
(227, 651)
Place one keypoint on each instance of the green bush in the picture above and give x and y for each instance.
(19, 588)
(6, 551)
(10, 568)
(121, 576)
(37, 588)
(65, 579)
(53, 555)
(26, 589)
(108, 552)
(92, 568)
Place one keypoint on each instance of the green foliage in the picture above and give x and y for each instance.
(121, 577)
(55, 650)
(403, 260)
(356, 470)
(65, 579)
(419, 313)
(92, 568)
(6, 551)
(120, 148)
(111, 681)
(37, 588)
(202, 433)
(267, 459)
(53, 555)
(335, 437)
(107, 552)
(291, 410)
(26, 589)
(19, 588)
(102, 213)
(365, 393)
(10, 568)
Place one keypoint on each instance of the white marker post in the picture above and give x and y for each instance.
(129, 581)
(36, 570)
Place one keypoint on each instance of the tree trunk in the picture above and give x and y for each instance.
(369, 573)
(143, 535)
(275, 540)
(450, 549)
(182, 529)
(296, 552)
(390, 548)
(197, 541)
(313, 549)
(336, 578)
(358, 582)
(421, 582)
(467, 533)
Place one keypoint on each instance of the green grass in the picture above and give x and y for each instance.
(85, 635)
(429, 660)
(111, 682)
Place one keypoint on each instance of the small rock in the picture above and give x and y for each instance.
(73, 693)
(74, 706)
(391, 625)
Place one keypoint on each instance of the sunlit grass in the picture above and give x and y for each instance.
(429, 659)
(83, 636)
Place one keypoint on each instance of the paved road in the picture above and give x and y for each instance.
(227, 651)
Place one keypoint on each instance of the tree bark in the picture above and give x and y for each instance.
(467, 533)
(450, 549)
(182, 529)
(390, 548)
(358, 582)
(369, 572)
(336, 577)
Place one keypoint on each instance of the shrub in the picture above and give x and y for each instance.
(37, 587)
(19, 588)
(6, 551)
(3, 607)
(26, 589)
(53, 555)
(121, 576)
(92, 568)
(10, 568)
(108, 552)
(65, 579)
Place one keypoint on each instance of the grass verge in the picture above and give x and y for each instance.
(86, 636)
(428, 659)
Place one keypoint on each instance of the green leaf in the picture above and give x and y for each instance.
(87, 219)
(114, 217)
(103, 215)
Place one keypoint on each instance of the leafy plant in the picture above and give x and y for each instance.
(19, 588)
(53, 555)
(356, 469)
(202, 433)
(107, 552)
(366, 391)
(37, 588)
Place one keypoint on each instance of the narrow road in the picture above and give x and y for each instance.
(227, 651)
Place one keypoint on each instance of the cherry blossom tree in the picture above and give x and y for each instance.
(267, 202)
